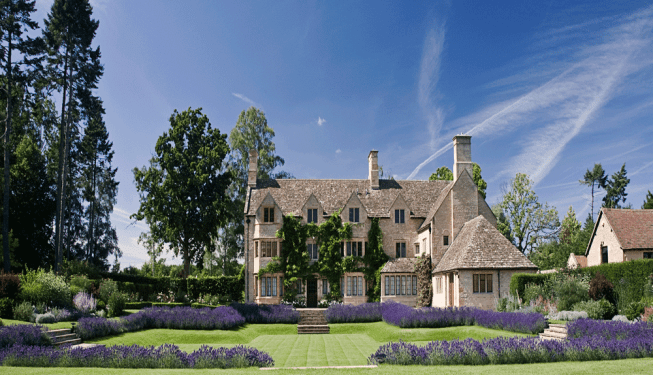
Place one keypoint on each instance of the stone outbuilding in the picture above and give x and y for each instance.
(477, 267)
(621, 235)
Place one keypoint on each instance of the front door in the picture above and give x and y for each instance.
(451, 290)
(311, 293)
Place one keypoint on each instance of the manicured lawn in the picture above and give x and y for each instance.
(348, 343)
(626, 366)
(58, 325)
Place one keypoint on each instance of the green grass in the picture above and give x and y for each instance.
(625, 366)
(348, 344)
(57, 325)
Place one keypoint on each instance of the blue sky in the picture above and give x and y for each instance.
(546, 88)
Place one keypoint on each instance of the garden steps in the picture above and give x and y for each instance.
(63, 336)
(555, 332)
(312, 321)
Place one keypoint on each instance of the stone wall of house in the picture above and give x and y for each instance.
(393, 233)
(635, 254)
(464, 201)
(486, 211)
(439, 299)
(486, 301)
(604, 237)
(441, 226)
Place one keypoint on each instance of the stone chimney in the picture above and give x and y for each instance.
(253, 168)
(373, 158)
(462, 155)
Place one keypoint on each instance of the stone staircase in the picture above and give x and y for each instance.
(555, 332)
(62, 337)
(312, 321)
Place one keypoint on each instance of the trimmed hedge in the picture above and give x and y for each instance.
(137, 305)
(201, 305)
(231, 286)
(519, 281)
(170, 304)
(634, 272)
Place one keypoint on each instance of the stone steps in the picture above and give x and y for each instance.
(312, 321)
(555, 332)
(61, 337)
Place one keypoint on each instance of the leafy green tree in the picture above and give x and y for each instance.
(444, 173)
(374, 259)
(73, 68)
(330, 234)
(531, 222)
(182, 193)
(99, 187)
(502, 223)
(570, 228)
(648, 201)
(293, 261)
(15, 19)
(251, 132)
(595, 177)
(615, 189)
(555, 253)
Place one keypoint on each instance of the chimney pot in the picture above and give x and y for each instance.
(373, 159)
(462, 155)
(253, 168)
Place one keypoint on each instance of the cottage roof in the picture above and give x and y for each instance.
(581, 260)
(291, 194)
(633, 228)
(399, 265)
(479, 245)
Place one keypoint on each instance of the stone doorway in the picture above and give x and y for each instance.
(450, 290)
(311, 293)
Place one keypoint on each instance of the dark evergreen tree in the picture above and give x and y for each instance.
(615, 189)
(99, 189)
(15, 19)
(74, 68)
(648, 201)
(595, 177)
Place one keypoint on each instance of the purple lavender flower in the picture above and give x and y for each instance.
(84, 302)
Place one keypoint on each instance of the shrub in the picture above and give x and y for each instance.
(44, 318)
(229, 286)
(81, 283)
(24, 312)
(634, 310)
(6, 308)
(569, 315)
(502, 305)
(137, 305)
(9, 285)
(64, 315)
(533, 291)
(116, 304)
(601, 288)
(593, 309)
(519, 281)
(106, 289)
(569, 291)
(101, 305)
(625, 294)
(84, 302)
(40, 287)
(609, 310)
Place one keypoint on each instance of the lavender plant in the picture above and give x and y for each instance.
(23, 334)
(366, 312)
(267, 314)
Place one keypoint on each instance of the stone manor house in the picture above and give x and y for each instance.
(450, 220)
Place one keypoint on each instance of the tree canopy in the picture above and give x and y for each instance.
(530, 221)
(648, 201)
(615, 189)
(444, 173)
(595, 177)
(182, 193)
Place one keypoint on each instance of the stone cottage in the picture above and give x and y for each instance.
(621, 235)
(416, 218)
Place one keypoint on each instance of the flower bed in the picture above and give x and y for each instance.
(512, 350)
(430, 317)
(366, 312)
(120, 356)
(609, 329)
(267, 314)
(223, 317)
(23, 334)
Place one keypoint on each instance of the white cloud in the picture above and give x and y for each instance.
(338, 151)
(245, 99)
(549, 116)
(320, 121)
(429, 75)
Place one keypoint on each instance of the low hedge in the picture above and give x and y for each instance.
(137, 305)
(231, 286)
(519, 281)
(170, 304)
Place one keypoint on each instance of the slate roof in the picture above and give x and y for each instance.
(291, 195)
(633, 228)
(479, 245)
(399, 265)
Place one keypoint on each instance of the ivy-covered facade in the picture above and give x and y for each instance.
(355, 240)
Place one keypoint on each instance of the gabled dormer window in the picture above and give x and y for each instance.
(400, 250)
(311, 215)
(399, 216)
(268, 214)
(354, 215)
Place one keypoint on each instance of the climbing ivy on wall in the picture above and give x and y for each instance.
(374, 259)
(423, 269)
(330, 264)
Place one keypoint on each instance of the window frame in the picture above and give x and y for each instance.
(604, 255)
(268, 215)
(400, 249)
(354, 214)
(311, 215)
(482, 283)
(400, 216)
(647, 255)
(445, 240)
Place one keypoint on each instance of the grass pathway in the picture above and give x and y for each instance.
(346, 345)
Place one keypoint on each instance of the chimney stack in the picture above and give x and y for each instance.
(253, 168)
(373, 159)
(462, 155)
